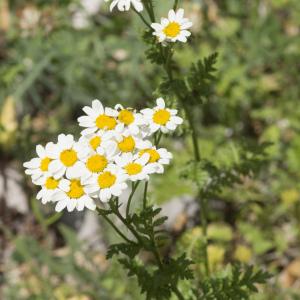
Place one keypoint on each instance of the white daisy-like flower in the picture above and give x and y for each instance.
(124, 5)
(73, 195)
(174, 28)
(110, 182)
(157, 158)
(135, 167)
(49, 188)
(161, 118)
(129, 143)
(97, 140)
(67, 156)
(128, 120)
(97, 161)
(98, 118)
(38, 166)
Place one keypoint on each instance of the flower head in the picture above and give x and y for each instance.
(66, 157)
(73, 195)
(174, 28)
(110, 182)
(124, 5)
(135, 166)
(39, 166)
(162, 118)
(98, 118)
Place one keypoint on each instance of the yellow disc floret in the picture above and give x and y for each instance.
(127, 144)
(161, 117)
(133, 168)
(154, 155)
(76, 189)
(126, 117)
(106, 180)
(51, 183)
(106, 122)
(96, 163)
(95, 142)
(45, 164)
(172, 30)
(68, 157)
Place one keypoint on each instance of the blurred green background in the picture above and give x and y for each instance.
(56, 56)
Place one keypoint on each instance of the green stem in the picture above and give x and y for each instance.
(150, 10)
(203, 212)
(197, 156)
(177, 293)
(145, 194)
(114, 226)
(133, 189)
(142, 18)
(175, 5)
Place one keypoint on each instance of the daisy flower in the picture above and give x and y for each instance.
(135, 167)
(128, 120)
(97, 161)
(67, 157)
(124, 5)
(98, 118)
(50, 188)
(110, 182)
(174, 28)
(161, 118)
(157, 158)
(96, 140)
(38, 166)
(73, 195)
(129, 143)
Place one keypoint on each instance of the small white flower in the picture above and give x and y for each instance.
(128, 143)
(128, 120)
(97, 161)
(110, 182)
(174, 28)
(37, 167)
(50, 188)
(161, 118)
(98, 118)
(102, 140)
(157, 158)
(124, 5)
(135, 167)
(66, 157)
(73, 195)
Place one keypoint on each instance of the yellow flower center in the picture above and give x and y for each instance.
(68, 157)
(106, 180)
(172, 30)
(96, 163)
(45, 164)
(133, 168)
(51, 183)
(126, 117)
(154, 155)
(161, 117)
(76, 189)
(127, 144)
(95, 142)
(106, 122)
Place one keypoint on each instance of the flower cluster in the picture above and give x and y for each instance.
(115, 147)
(171, 29)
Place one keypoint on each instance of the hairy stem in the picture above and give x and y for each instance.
(175, 4)
(142, 18)
(145, 194)
(114, 226)
(197, 155)
(133, 189)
